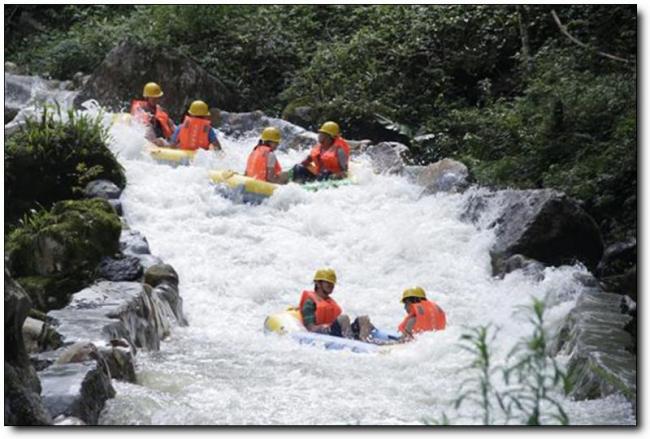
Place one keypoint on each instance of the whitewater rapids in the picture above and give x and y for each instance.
(238, 263)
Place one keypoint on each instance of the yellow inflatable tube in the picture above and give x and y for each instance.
(233, 180)
(284, 322)
(169, 154)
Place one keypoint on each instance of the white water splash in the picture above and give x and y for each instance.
(238, 263)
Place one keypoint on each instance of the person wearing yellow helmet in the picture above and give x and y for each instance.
(148, 112)
(196, 130)
(328, 159)
(320, 312)
(262, 163)
(421, 314)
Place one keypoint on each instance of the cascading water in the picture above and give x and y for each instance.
(238, 263)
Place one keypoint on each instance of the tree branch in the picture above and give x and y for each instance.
(564, 30)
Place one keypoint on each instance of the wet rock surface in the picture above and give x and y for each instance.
(542, 224)
(446, 175)
(78, 389)
(125, 268)
(23, 403)
(130, 65)
(102, 189)
(601, 353)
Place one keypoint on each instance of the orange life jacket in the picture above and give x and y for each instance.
(194, 133)
(428, 317)
(328, 160)
(327, 310)
(140, 110)
(257, 160)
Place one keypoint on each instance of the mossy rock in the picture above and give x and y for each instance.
(161, 273)
(51, 292)
(70, 238)
(55, 252)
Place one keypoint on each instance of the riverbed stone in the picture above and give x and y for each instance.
(446, 175)
(161, 273)
(544, 224)
(22, 404)
(78, 389)
(105, 189)
(122, 268)
(131, 64)
(386, 157)
(601, 360)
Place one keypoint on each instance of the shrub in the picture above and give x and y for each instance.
(52, 159)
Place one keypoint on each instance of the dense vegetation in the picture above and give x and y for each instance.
(52, 159)
(507, 90)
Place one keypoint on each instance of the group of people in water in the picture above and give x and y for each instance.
(328, 159)
(320, 313)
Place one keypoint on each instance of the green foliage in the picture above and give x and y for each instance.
(519, 391)
(55, 252)
(448, 80)
(51, 159)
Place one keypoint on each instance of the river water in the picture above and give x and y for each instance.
(238, 263)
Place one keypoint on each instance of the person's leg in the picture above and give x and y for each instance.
(362, 328)
(302, 174)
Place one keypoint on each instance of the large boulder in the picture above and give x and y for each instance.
(130, 65)
(23, 404)
(23, 93)
(446, 175)
(386, 157)
(544, 225)
(251, 125)
(599, 350)
(78, 388)
(617, 268)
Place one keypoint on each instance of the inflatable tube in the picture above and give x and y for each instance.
(172, 156)
(288, 322)
(243, 186)
(249, 184)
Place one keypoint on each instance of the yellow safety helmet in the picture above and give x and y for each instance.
(413, 292)
(199, 108)
(271, 134)
(330, 128)
(326, 274)
(152, 90)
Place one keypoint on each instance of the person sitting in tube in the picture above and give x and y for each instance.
(321, 314)
(328, 159)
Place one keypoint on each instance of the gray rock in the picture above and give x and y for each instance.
(12, 68)
(162, 273)
(23, 404)
(133, 242)
(107, 311)
(251, 125)
(617, 258)
(544, 225)
(77, 390)
(125, 268)
(386, 157)
(529, 267)
(102, 189)
(601, 360)
(445, 175)
(130, 65)
(117, 206)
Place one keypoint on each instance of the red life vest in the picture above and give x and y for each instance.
(140, 110)
(428, 317)
(327, 310)
(194, 133)
(328, 160)
(257, 161)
